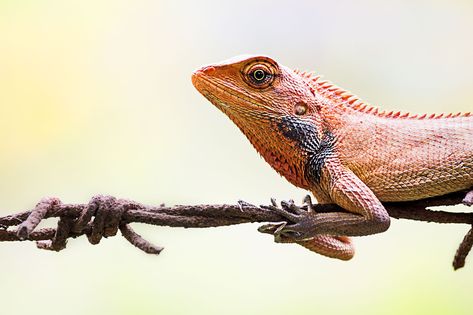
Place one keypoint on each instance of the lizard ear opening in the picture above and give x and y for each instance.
(300, 108)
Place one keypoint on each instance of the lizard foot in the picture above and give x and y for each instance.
(468, 200)
(299, 225)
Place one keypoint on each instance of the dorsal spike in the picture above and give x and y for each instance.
(352, 100)
(327, 85)
(345, 99)
(369, 109)
(338, 92)
(345, 95)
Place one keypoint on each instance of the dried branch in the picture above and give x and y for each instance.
(103, 216)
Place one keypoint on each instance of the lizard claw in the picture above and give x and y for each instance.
(290, 205)
(288, 209)
(277, 230)
(300, 221)
(283, 232)
(308, 202)
(242, 204)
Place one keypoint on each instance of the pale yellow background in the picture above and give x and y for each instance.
(95, 97)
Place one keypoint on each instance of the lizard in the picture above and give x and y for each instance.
(328, 141)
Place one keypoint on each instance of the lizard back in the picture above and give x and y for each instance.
(408, 158)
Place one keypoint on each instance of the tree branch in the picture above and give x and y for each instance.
(103, 216)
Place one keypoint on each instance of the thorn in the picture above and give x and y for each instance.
(138, 241)
(463, 250)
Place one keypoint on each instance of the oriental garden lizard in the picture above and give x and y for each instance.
(326, 140)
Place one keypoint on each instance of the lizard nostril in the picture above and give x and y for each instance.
(202, 72)
(207, 69)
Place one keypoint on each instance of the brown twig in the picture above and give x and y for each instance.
(103, 216)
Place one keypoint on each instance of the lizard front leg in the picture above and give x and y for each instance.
(365, 213)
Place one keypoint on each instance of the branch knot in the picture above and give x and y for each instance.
(101, 217)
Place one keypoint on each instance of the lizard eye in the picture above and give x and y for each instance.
(259, 76)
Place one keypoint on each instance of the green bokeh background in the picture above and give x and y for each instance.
(95, 97)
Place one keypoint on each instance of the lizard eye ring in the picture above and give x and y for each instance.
(259, 75)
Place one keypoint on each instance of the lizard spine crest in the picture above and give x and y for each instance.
(347, 99)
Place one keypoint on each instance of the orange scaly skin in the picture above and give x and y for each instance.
(324, 139)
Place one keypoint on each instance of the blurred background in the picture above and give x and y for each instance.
(96, 97)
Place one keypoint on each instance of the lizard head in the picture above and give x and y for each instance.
(273, 106)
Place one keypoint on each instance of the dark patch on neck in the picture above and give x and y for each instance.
(316, 148)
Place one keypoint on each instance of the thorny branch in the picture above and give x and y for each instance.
(103, 216)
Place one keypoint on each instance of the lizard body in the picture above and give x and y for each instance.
(325, 140)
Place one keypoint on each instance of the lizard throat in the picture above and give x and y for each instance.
(263, 132)
(291, 145)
